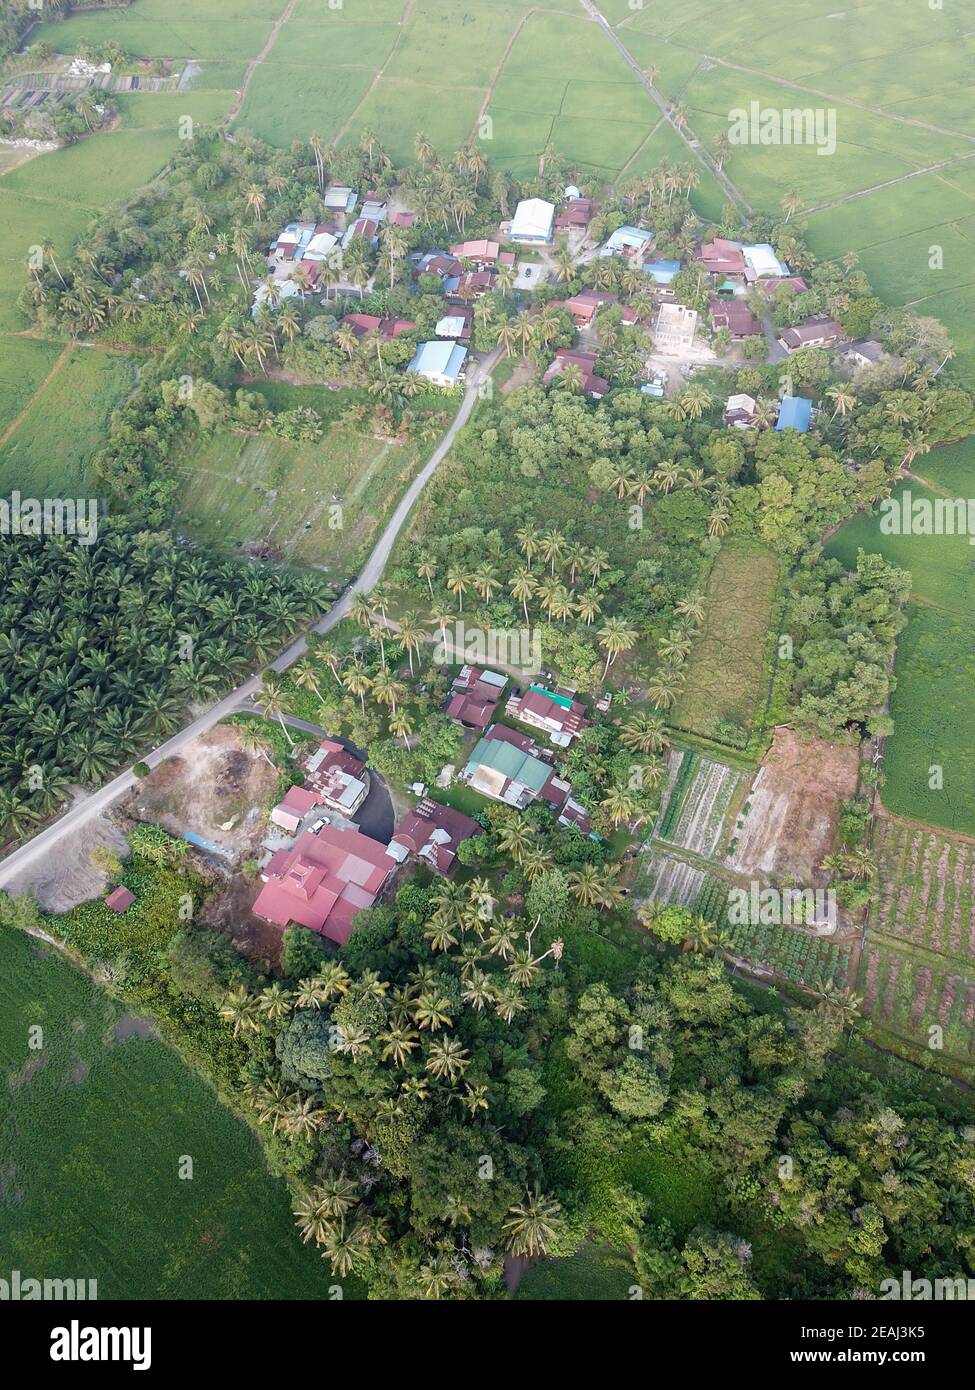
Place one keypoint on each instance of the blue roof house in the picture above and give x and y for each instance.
(440, 362)
(795, 413)
(662, 272)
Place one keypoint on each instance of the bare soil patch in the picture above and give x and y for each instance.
(793, 808)
(61, 881)
(215, 789)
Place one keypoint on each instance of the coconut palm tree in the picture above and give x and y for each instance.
(459, 581)
(644, 734)
(532, 1224)
(522, 586)
(529, 539)
(426, 568)
(791, 202)
(843, 400)
(272, 698)
(387, 689)
(356, 682)
(615, 636)
(619, 805)
(411, 635)
(516, 838)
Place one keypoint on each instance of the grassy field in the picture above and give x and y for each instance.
(263, 489)
(64, 425)
(725, 667)
(24, 365)
(597, 1272)
(93, 1127)
(932, 706)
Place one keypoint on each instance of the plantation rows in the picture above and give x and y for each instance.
(698, 805)
(806, 960)
(926, 889)
(910, 997)
(667, 880)
(678, 791)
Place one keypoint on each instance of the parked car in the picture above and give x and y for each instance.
(320, 824)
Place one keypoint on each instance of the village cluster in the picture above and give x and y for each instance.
(469, 269)
(325, 869)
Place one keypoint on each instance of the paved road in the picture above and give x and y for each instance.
(97, 801)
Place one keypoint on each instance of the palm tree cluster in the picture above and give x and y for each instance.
(103, 646)
(673, 650)
(448, 191)
(557, 585)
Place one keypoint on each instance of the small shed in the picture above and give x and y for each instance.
(120, 899)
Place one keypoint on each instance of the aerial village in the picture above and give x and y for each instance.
(738, 292)
(338, 837)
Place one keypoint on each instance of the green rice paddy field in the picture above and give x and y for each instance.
(93, 1128)
(933, 705)
(897, 76)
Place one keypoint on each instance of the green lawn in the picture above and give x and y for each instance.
(598, 1273)
(93, 1130)
(24, 363)
(933, 705)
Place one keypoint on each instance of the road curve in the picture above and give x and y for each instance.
(96, 802)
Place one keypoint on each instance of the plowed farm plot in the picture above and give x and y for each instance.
(925, 889)
(923, 1000)
(917, 971)
(788, 821)
(700, 795)
(667, 880)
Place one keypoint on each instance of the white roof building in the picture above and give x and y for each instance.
(761, 260)
(532, 220)
(321, 245)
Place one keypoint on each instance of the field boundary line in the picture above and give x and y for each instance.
(489, 94)
(255, 63)
(56, 367)
(830, 96)
(889, 183)
(694, 145)
(379, 73)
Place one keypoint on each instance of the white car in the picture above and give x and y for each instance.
(320, 824)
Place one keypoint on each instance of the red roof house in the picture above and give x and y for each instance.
(363, 325)
(403, 219)
(561, 717)
(433, 832)
(120, 899)
(735, 315)
(592, 384)
(291, 811)
(722, 257)
(324, 881)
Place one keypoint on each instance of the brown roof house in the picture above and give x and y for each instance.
(338, 776)
(815, 332)
(474, 694)
(592, 385)
(433, 832)
(575, 215)
(735, 315)
(120, 899)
